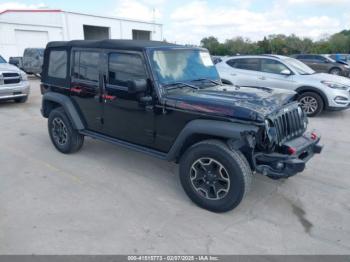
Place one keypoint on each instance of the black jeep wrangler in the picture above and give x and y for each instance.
(168, 101)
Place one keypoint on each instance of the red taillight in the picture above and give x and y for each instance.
(291, 150)
(313, 136)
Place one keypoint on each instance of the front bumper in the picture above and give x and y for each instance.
(13, 91)
(338, 99)
(280, 165)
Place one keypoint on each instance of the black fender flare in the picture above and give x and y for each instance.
(67, 105)
(304, 89)
(225, 130)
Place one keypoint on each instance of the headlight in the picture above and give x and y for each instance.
(23, 76)
(346, 66)
(335, 85)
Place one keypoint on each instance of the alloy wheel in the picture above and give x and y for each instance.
(59, 131)
(309, 104)
(210, 178)
(335, 72)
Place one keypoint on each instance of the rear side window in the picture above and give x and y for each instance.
(125, 67)
(86, 64)
(272, 66)
(58, 64)
(246, 64)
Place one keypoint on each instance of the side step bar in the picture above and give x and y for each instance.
(125, 144)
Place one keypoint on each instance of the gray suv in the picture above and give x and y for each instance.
(317, 91)
(325, 64)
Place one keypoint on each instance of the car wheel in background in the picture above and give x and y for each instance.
(311, 103)
(64, 137)
(335, 71)
(21, 100)
(215, 177)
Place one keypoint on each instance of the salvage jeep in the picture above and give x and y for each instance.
(168, 101)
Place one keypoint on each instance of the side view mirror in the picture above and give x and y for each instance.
(137, 86)
(286, 72)
(326, 61)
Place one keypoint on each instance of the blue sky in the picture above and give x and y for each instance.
(189, 21)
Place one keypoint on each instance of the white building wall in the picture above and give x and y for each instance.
(63, 26)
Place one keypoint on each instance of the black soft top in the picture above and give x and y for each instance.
(134, 45)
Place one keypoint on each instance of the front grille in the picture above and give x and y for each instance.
(10, 78)
(289, 123)
(12, 81)
(10, 75)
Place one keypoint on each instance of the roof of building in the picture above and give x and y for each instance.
(135, 45)
(31, 11)
(76, 13)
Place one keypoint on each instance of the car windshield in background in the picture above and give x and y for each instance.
(300, 67)
(2, 60)
(183, 65)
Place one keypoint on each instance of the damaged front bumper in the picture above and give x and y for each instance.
(282, 165)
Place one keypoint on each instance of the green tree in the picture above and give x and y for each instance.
(212, 44)
(339, 43)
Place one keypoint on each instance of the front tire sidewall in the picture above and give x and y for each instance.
(237, 183)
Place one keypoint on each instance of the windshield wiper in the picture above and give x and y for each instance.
(180, 84)
(207, 79)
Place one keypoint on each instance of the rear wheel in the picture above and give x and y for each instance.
(311, 103)
(215, 177)
(64, 137)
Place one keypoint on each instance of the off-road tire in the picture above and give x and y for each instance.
(74, 140)
(238, 170)
(318, 98)
(21, 100)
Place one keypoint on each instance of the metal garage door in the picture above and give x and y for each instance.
(27, 38)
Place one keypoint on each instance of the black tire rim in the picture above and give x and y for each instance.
(309, 104)
(210, 178)
(59, 131)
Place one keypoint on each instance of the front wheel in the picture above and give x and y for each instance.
(215, 177)
(335, 71)
(21, 100)
(311, 103)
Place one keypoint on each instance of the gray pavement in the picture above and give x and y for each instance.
(107, 200)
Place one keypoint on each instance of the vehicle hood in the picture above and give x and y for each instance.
(328, 77)
(8, 68)
(244, 103)
(342, 62)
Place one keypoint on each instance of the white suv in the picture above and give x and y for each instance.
(317, 92)
(14, 84)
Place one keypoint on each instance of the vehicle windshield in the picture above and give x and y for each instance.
(299, 66)
(2, 60)
(183, 65)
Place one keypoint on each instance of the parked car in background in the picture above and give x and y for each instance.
(216, 59)
(13, 83)
(33, 60)
(16, 61)
(168, 101)
(324, 64)
(317, 91)
(340, 57)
